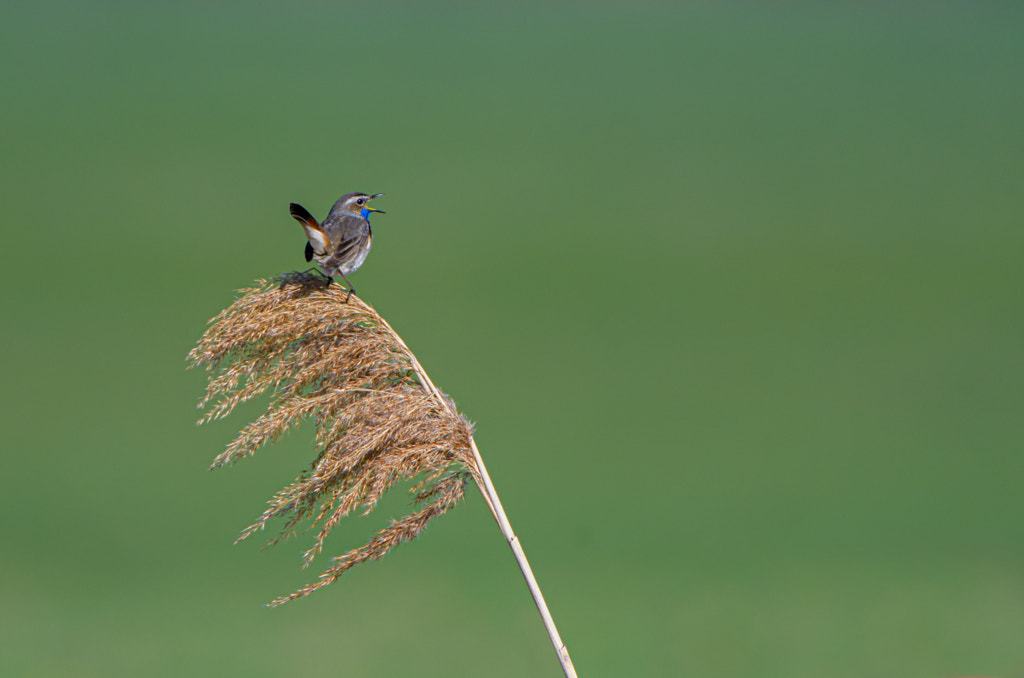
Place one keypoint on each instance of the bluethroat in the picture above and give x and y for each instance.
(340, 244)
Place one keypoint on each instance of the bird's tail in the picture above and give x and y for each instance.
(319, 243)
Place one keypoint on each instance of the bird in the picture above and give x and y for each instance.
(340, 244)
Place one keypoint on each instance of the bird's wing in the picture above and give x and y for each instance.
(319, 242)
(346, 247)
(347, 235)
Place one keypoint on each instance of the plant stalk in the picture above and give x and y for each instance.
(483, 481)
(487, 489)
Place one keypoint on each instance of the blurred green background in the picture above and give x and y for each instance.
(732, 292)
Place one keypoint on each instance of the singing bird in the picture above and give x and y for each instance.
(340, 244)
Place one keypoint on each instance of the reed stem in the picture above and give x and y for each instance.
(486, 486)
(494, 502)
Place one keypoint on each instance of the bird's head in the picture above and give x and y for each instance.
(356, 204)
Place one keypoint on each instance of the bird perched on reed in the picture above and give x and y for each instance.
(340, 244)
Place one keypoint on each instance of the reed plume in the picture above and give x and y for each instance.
(378, 418)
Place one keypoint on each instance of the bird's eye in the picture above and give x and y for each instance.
(361, 201)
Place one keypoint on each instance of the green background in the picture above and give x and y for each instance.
(733, 294)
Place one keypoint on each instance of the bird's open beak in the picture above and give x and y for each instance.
(373, 209)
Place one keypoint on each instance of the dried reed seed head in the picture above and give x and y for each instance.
(378, 418)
